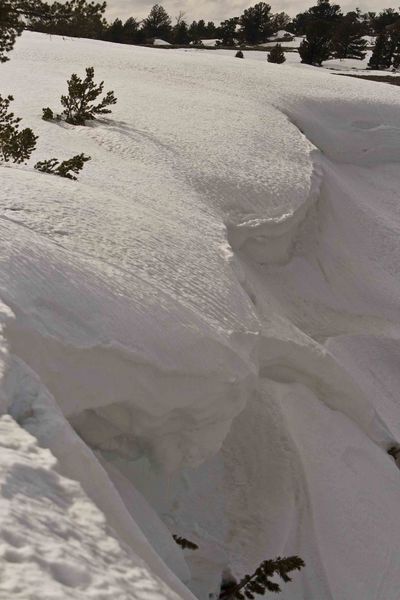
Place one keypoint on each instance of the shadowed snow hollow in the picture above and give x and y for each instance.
(54, 542)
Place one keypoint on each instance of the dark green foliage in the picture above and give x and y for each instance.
(124, 33)
(75, 18)
(280, 21)
(66, 168)
(386, 52)
(319, 24)
(396, 58)
(276, 55)
(239, 54)
(382, 53)
(11, 27)
(323, 11)
(131, 32)
(158, 23)
(48, 114)
(385, 19)
(348, 39)
(180, 32)
(79, 105)
(15, 145)
(394, 451)
(198, 30)
(227, 32)
(115, 32)
(260, 581)
(317, 46)
(184, 543)
(256, 24)
(394, 42)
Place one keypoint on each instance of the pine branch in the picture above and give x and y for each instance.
(184, 543)
(259, 582)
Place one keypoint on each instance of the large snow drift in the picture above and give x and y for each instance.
(204, 330)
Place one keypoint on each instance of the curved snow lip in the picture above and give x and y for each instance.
(133, 407)
(162, 374)
(270, 240)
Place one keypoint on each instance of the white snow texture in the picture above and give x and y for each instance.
(200, 336)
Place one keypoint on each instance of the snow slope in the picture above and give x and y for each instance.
(54, 542)
(204, 329)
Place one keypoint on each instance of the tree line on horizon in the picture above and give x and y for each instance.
(327, 31)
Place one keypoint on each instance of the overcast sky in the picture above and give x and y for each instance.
(217, 10)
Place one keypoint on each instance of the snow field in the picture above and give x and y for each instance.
(204, 329)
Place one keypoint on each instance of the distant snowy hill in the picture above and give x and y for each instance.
(203, 330)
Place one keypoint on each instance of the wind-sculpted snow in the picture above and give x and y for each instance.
(54, 542)
(204, 329)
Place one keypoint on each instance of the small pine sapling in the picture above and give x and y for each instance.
(276, 55)
(66, 168)
(239, 54)
(184, 543)
(15, 145)
(79, 105)
(48, 114)
(394, 451)
(260, 581)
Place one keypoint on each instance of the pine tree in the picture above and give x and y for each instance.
(227, 31)
(394, 40)
(78, 105)
(15, 145)
(317, 46)
(11, 27)
(75, 18)
(158, 23)
(280, 21)
(115, 32)
(66, 168)
(256, 24)
(348, 41)
(260, 581)
(180, 33)
(276, 55)
(132, 33)
(382, 53)
(211, 30)
(384, 20)
(323, 11)
(394, 451)
(396, 57)
(184, 543)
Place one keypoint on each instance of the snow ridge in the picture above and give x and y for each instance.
(207, 337)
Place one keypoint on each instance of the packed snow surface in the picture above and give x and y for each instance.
(54, 542)
(201, 334)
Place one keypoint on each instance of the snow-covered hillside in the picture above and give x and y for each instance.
(203, 330)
